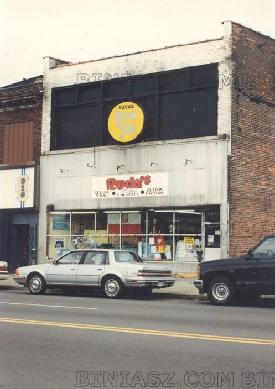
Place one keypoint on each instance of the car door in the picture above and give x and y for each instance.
(92, 268)
(64, 270)
(264, 254)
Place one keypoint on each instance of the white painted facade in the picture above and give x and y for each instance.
(196, 168)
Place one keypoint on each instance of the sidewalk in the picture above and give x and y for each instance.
(183, 289)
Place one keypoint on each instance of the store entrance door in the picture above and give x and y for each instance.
(19, 246)
(212, 241)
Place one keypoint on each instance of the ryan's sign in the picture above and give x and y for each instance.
(133, 185)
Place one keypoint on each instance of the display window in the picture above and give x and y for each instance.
(153, 234)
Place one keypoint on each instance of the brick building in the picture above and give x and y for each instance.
(252, 159)
(20, 144)
(163, 151)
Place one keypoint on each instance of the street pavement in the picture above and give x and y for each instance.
(61, 341)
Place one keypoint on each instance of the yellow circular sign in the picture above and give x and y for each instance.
(125, 122)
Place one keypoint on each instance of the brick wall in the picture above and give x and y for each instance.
(19, 105)
(252, 162)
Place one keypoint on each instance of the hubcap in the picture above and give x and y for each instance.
(35, 284)
(112, 287)
(220, 291)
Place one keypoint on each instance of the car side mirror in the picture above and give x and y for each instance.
(55, 262)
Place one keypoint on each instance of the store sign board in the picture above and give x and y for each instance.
(125, 121)
(17, 188)
(131, 185)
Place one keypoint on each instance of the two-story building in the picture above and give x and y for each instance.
(20, 133)
(163, 152)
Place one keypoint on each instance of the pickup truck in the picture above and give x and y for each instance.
(227, 280)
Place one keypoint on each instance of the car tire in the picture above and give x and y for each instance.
(36, 284)
(113, 287)
(221, 291)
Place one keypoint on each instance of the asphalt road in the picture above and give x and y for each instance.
(56, 341)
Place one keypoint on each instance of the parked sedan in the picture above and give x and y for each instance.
(111, 270)
(4, 274)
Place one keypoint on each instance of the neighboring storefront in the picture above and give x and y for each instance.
(20, 147)
(18, 217)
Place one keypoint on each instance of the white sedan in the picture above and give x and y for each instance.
(111, 270)
(4, 274)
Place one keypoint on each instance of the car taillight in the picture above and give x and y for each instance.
(3, 268)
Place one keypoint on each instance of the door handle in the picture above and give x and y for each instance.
(73, 268)
(99, 268)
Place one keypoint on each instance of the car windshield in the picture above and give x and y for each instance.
(127, 257)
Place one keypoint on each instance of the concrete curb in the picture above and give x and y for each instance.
(186, 275)
(183, 296)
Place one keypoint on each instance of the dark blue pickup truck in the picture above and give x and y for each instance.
(227, 280)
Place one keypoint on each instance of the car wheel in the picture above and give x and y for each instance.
(36, 284)
(112, 287)
(221, 291)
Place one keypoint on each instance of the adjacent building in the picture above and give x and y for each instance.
(20, 134)
(164, 152)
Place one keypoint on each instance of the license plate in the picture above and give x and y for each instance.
(161, 283)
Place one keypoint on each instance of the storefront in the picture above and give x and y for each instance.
(154, 234)
(140, 161)
(18, 217)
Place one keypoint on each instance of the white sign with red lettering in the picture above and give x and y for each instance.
(131, 185)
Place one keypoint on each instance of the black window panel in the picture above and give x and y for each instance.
(114, 89)
(143, 85)
(189, 114)
(78, 127)
(64, 96)
(147, 105)
(149, 108)
(174, 80)
(89, 93)
(176, 104)
(203, 76)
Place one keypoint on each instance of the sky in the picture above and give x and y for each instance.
(90, 29)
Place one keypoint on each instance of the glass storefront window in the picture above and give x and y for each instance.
(212, 235)
(187, 235)
(155, 235)
(82, 223)
(59, 223)
(113, 242)
(113, 223)
(160, 222)
(58, 245)
(135, 243)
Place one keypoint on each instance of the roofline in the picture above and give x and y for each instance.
(137, 52)
(248, 28)
(24, 83)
